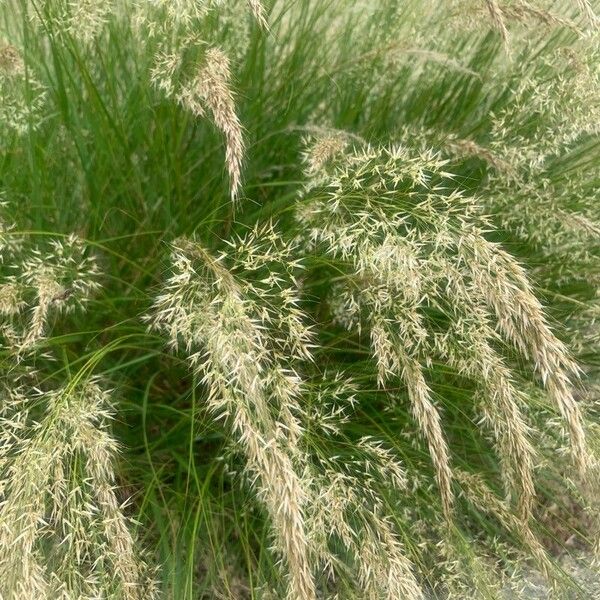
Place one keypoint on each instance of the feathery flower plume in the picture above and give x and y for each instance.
(410, 248)
(468, 148)
(23, 97)
(85, 19)
(391, 359)
(346, 515)
(346, 507)
(481, 496)
(11, 62)
(521, 319)
(210, 89)
(47, 280)
(586, 8)
(467, 346)
(172, 19)
(528, 145)
(325, 149)
(518, 12)
(63, 533)
(524, 11)
(440, 58)
(220, 320)
(258, 11)
(387, 276)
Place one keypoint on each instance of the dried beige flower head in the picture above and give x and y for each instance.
(11, 62)
(413, 249)
(481, 496)
(23, 96)
(56, 279)
(184, 15)
(258, 11)
(85, 19)
(586, 8)
(209, 89)
(63, 533)
(222, 321)
(507, 15)
(346, 508)
(497, 17)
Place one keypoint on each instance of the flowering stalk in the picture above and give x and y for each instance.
(207, 310)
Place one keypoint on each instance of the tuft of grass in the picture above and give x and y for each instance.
(338, 265)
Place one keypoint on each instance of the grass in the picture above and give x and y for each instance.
(401, 163)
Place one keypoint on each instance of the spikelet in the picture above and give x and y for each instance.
(63, 533)
(220, 320)
(210, 89)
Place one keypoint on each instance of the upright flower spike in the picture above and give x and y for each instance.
(222, 320)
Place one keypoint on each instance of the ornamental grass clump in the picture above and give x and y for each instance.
(299, 299)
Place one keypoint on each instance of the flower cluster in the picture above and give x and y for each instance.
(63, 533)
(425, 282)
